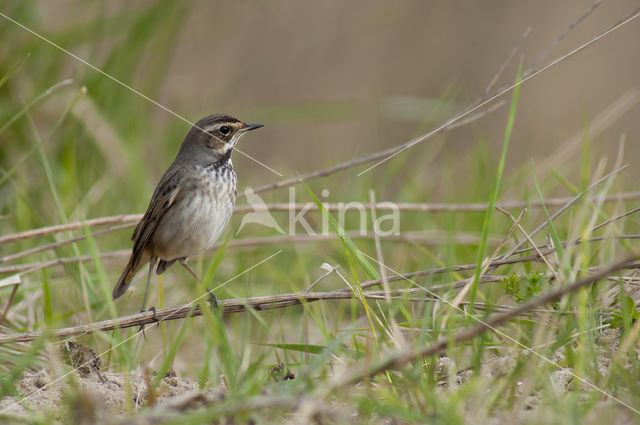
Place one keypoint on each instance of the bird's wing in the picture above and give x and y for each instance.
(166, 194)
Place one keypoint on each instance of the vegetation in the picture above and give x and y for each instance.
(83, 148)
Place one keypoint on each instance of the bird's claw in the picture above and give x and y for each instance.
(214, 304)
(141, 329)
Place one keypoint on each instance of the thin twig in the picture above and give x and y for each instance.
(371, 157)
(566, 32)
(9, 302)
(123, 253)
(475, 117)
(388, 153)
(229, 306)
(506, 62)
(401, 358)
(516, 222)
(487, 262)
(328, 270)
(49, 230)
(611, 220)
(562, 210)
(130, 220)
(426, 238)
(431, 238)
(25, 253)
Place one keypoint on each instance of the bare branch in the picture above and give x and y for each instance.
(567, 31)
(44, 231)
(388, 153)
(130, 220)
(506, 62)
(516, 222)
(563, 209)
(46, 247)
(400, 358)
(229, 306)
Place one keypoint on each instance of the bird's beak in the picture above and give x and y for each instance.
(250, 127)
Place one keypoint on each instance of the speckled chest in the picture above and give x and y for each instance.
(220, 181)
(199, 218)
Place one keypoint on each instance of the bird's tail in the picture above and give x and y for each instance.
(126, 278)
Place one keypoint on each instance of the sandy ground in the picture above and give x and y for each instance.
(101, 396)
(109, 397)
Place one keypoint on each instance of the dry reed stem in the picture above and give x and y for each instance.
(426, 238)
(49, 230)
(124, 253)
(386, 153)
(46, 247)
(513, 52)
(400, 358)
(566, 32)
(229, 306)
(132, 219)
(516, 222)
(561, 210)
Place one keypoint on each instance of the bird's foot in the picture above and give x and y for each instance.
(155, 319)
(214, 304)
(141, 329)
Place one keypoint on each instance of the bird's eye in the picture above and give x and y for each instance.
(225, 129)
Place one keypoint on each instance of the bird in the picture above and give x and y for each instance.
(191, 205)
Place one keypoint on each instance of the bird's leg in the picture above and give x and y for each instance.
(213, 300)
(183, 261)
(152, 266)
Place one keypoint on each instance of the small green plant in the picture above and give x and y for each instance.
(523, 288)
(627, 314)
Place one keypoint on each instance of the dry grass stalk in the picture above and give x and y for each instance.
(400, 358)
(448, 125)
(229, 306)
(129, 220)
(30, 267)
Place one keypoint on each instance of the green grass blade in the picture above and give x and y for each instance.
(304, 348)
(33, 102)
(486, 226)
(12, 71)
(8, 173)
(173, 350)
(350, 246)
(552, 228)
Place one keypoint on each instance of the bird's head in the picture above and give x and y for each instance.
(215, 135)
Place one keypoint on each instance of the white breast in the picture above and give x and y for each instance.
(199, 218)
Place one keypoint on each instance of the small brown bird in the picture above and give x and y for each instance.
(192, 203)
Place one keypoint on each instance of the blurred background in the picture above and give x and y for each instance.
(331, 81)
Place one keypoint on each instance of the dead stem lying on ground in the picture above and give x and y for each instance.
(398, 358)
(228, 306)
(410, 354)
(269, 302)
